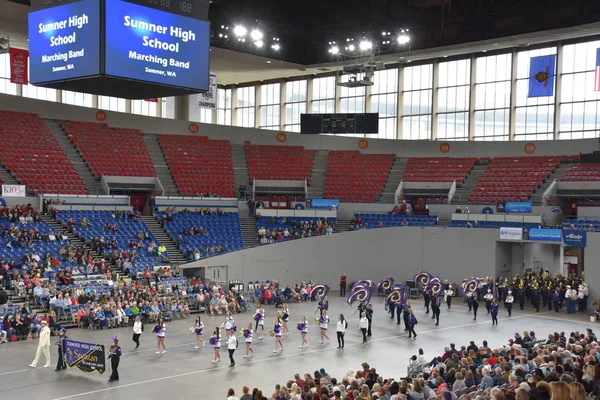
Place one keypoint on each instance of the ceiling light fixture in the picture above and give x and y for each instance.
(365, 45)
(351, 47)
(256, 34)
(259, 43)
(275, 47)
(334, 50)
(403, 38)
(240, 31)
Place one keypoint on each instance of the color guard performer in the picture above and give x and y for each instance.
(412, 321)
(435, 308)
(475, 305)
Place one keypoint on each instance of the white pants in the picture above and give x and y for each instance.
(38, 355)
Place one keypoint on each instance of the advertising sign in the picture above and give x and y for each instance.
(546, 235)
(511, 233)
(13, 191)
(574, 238)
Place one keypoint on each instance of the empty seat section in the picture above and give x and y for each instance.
(31, 153)
(127, 231)
(199, 165)
(110, 151)
(512, 178)
(355, 177)
(582, 173)
(437, 169)
(219, 231)
(288, 163)
(374, 220)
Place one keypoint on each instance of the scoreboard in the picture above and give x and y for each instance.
(339, 123)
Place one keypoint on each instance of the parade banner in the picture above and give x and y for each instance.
(87, 357)
(574, 238)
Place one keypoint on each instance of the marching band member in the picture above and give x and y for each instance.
(435, 308)
(342, 325)
(232, 344)
(494, 312)
(556, 300)
(159, 331)
(115, 356)
(362, 306)
(427, 298)
(215, 340)
(303, 328)
(323, 323)
(509, 302)
(369, 312)
(448, 293)
(363, 325)
(229, 322)
(248, 335)
(259, 317)
(198, 328)
(285, 317)
(488, 297)
(62, 335)
(470, 300)
(521, 296)
(412, 321)
(277, 329)
(475, 305)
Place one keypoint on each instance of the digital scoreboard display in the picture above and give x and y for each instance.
(123, 48)
(64, 42)
(315, 124)
(146, 44)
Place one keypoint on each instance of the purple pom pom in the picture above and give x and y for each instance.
(257, 316)
(114, 337)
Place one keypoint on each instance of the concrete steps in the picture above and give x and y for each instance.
(317, 174)
(161, 235)
(461, 196)
(343, 224)
(160, 165)
(392, 181)
(240, 167)
(557, 174)
(84, 172)
(248, 225)
(7, 177)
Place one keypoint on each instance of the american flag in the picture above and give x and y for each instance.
(597, 74)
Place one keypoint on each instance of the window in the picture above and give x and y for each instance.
(111, 103)
(167, 109)
(77, 99)
(453, 100)
(417, 107)
(5, 84)
(534, 116)
(492, 97)
(323, 99)
(37, 92)
(579, 102)
(352, 100)
(143, 107)
(295, 104)
(224, 106)
(269, 106)
(197, 114)
(245, 106)
(384, 100)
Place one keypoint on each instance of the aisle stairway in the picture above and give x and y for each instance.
(317, 174)
(343, 225)
(175, 255)
(160, 165)
(90, 181)
(6, 177)
(248, 225)
(393, 180)
(461, 196)
(240, 167)
(558, 173)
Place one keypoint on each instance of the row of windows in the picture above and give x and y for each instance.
(448, 105)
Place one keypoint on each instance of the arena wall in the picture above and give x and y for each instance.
(403, 148)
(451, 253)
(591, 259)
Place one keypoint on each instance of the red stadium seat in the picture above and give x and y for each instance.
(32, 154)
(437, 169)
(287, 163)
(199, 165)
(583, 173)
(110, 151)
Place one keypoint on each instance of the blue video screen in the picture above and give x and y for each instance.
(150, 45)
(64, 42)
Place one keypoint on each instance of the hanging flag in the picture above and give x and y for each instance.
(541, 76)
(18, 66)
(597, 75)
(152, 100)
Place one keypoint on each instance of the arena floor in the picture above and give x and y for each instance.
(185, 373)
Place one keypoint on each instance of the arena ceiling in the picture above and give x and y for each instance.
(305, 28)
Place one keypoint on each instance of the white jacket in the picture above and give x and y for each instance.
(44, 337)
(137, 327)
(364, 323)
(342, 326)
(232, 343)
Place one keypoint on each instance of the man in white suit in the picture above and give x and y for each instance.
(43, 346)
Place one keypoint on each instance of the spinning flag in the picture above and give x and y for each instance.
(541, 76)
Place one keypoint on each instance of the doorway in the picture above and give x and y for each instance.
(217, 275)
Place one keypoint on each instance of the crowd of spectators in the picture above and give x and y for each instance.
(282, 228)
(560, 367)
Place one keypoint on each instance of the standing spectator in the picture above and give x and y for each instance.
(43, 346)
(343, 285)
(3, 301)
(251, 208)
(243, 191)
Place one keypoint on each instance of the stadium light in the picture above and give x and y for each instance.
(351, 47)
(365, 45)
(403, 39)
(275, 47)
(334, 50)
(240, 31)
(259, 43)
(256, 34)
